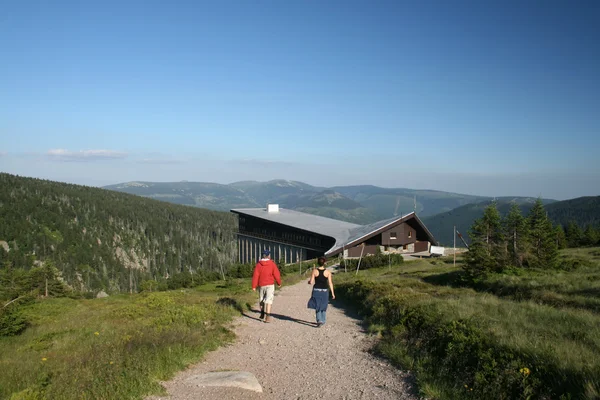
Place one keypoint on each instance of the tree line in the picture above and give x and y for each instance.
(514, 240)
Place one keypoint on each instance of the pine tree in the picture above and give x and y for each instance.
(561, 238)
(590, 236)
(516, 233)
(544, 251)
(487, 252)
(574, 235)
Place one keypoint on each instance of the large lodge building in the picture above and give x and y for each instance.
(293, 236)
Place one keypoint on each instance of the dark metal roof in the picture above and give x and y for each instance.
(345, 234)
(338, 230)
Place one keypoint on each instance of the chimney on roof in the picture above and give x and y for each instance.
(272, 208)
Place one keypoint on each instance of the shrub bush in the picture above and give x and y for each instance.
(373, 261)
(461, 354)
(12, 322)
(240, 271)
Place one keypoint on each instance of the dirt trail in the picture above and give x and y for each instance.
(293, 359)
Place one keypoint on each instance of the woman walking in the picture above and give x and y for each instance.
(321, 279)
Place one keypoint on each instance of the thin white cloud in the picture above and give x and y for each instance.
(159, 161)
(3, 153)
(264, 163)
(84, 155)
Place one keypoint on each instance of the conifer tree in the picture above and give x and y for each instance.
(574, 235)
(590, 236)
(544, 251)
(516, 233)
(487, 252)
(561, 238)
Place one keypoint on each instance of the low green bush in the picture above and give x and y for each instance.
(240, 271)
(571, 263)
(12, 322)
(454, 340)
(373, 261)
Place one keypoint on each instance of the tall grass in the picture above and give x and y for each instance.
(467, 343)
(115, 348)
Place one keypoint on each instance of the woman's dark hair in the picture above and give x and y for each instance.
(322, 260)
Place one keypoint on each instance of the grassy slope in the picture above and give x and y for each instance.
(118, 347)
(454, 336)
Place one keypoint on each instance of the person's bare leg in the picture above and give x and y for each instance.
(268, 309)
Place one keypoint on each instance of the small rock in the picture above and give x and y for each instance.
(101, 294)
(240, 379)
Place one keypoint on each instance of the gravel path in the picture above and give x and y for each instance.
(293, 359)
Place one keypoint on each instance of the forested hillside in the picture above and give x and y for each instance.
(101, 239)
(583, 211)
(442, 225)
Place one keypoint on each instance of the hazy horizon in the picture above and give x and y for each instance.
(103, 184)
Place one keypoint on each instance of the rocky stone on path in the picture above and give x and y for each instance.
(101, 294)
(239, 379)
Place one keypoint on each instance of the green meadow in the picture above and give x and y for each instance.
(524, 334)
(116, 347)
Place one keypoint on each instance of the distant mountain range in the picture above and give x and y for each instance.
(358, 204)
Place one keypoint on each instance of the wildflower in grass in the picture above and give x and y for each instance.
(111, 363)
(44, 359)
(466, 386)
(525, 371)
(96, 333)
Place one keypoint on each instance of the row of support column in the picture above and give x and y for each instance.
(250, 250)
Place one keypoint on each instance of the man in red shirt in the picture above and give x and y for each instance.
(264, 277)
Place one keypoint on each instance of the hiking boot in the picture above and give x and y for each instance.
(268, 318)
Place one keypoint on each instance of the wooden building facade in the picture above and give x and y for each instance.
(292, 236)
(402, 236)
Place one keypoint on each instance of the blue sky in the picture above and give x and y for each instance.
(491, 98)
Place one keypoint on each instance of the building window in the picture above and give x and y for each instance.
(393, 235)
(409, 234)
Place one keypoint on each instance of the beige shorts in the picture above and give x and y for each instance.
(266, 294)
